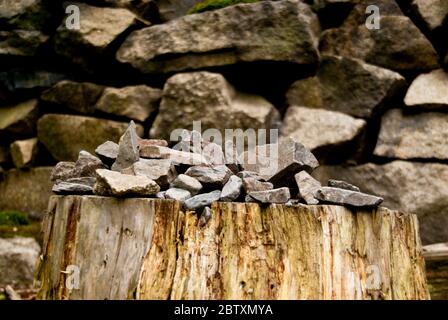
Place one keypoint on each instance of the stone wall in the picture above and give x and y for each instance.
(371, 104)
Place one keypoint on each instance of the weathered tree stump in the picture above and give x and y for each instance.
(152, 249)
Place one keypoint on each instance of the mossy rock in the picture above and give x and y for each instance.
(13, 218)
(209, 5)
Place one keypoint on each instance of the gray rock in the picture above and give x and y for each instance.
(340, 86)
(429, 91)
(161, 171)
(152, 142)
(249, 174)
(320, 129)
(209, 98)
(249, 199)
(62, 171)
(432, 12)
(347, 197)
(411, 136)
(281, 195)
(75, 186)
(177, 157)
(177, 194)
(307, 187)
(161, 195)
(202, 200)
(275, 31)
(115, 184)
(216, 175)
(205, 217)
(86, 165)
(185, 182)
(232, 189)
(107, 152)
(24, 152)
(128, 150)
(18, 259)
(253, 184)
(342, 185)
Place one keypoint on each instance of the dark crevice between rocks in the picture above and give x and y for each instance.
(382, 160)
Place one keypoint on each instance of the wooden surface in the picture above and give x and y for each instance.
(436, 256)
(151, 249)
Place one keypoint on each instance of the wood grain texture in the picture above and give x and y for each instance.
(155, 250)
(436, 257)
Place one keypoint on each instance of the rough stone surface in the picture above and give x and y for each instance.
(281, 195)
(205, 217)
(170, 10)
(202, 200)
(62, 171)
(23, 152)
(232, 189)
(115, 184)
(107, 152)
(23, 14)
(177, 157)
(185, 182)
(133, 102)
(128, 149)
(432, 12)
(161, 171)
(216, 175)
(342, 185)
(55, 132)
(276, 31)
(347, 197)
(429, 90)
(177, 194)
(307, 187)
(75, 186)
(19, 119)
(346, 85)
(152, 142)
(253, 184)
(318, 128)
(397, 45)
(26, 190)
(22, 43)
(411, 187)
(18, 258)
(209, 98)
(86, 165)
(410, 136)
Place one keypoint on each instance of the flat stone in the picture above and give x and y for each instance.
(280, 31)
(216, 175)
(177, 157)
(307, 187)
(23, 152)
(177, 194)
(432, 12)
(412, 136)
(340, 86)
(205, 217)
(161, 171)
(232, 189)
(347, 197)
(253, 184)
(202, 200)
(429, 91)
(319, 128)
(211, 100)
(20, 119)
(342, 185)
(75, 186)
(152, 142)
(133, 102)
(281, 195)
(107, 152)
(185, 182)
(128, 149)
(115, 184)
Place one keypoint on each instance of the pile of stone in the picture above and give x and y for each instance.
(197, 173)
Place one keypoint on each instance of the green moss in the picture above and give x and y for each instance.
(13, 218)
(208, 5)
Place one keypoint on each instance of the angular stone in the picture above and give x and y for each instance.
(107, 152)
(26, 190)
(249, 174)
(23, 152)
(115, 184)
(86, 165)
(19, 120)
(202, 200)
(62, 171)
(411, 187)
(209, 98)
(161, 171)
(177, 194)
(397, 45)
(432, 12)
(232, 189)
(152, 142)
(253, 184)
(185, 182)
(340, 85)
(359, 13)
(23, 14)
(274, 31)
(133, 102)
(411, 136)
(342, 185)
(18, 259)
(22, 43)
(177, 157)
(347, 197)
(55, 132)
(75, 186)
(161, 195)
(320, 129)
(205, 217)
(128, 149)
(307, 187)
(216, 175)
(78, 96)
(98, 29)
(429, 90)
(281, 195)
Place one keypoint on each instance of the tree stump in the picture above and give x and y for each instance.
(151, 249)
(436, 257)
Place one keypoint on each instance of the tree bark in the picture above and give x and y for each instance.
(152, 249)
